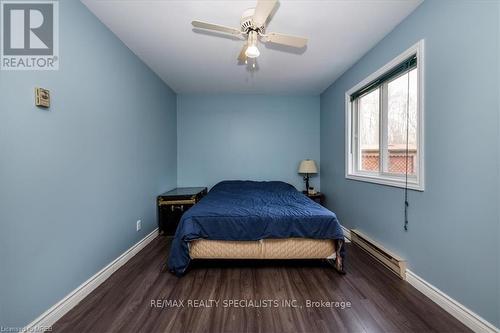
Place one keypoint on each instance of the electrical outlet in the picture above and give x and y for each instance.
(139, 225)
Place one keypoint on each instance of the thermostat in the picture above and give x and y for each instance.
(42, 97)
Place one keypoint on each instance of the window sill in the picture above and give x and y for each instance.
(395, 182)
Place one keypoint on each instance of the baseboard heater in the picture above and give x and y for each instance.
(394, 263)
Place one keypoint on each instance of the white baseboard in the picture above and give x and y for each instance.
(49, 317)
(347, 234)
(467, 317)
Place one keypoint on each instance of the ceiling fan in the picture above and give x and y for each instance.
(253, 28)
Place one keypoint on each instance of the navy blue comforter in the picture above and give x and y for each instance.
(248, 210)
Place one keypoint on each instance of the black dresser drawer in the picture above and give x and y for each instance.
(172, 204)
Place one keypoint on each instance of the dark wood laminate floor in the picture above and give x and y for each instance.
(380, 301)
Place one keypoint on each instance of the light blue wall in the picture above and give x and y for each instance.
(74, 179)
(453, 240)
(252, 137)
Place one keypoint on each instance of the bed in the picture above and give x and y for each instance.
(256, 220)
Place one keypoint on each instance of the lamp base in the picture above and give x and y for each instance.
(306, 179)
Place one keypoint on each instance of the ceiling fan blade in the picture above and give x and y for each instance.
(242, 56)
(287, 40)
(216, 27)
(262, 11)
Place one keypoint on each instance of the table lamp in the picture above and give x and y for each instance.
(307, 167)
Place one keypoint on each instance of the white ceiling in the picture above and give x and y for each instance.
(340, 32)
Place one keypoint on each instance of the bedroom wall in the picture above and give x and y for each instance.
(254, 137)
(76, 178)
(453, 237)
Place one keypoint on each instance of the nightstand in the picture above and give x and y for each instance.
(172, 204)
(317, 197)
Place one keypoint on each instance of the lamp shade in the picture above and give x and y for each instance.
(308, 166)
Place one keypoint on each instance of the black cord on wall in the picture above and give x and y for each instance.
(407, 204)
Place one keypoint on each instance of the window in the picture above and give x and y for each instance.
(384, 124)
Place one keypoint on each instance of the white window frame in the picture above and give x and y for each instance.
(351, 172)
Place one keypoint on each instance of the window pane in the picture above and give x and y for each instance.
(369, 131)
(396, 123)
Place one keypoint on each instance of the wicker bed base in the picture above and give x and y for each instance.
(289, 248)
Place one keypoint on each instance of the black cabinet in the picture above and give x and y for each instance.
(172, 204)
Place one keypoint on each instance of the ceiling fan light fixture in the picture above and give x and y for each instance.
(252, 51)
(253, 29)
